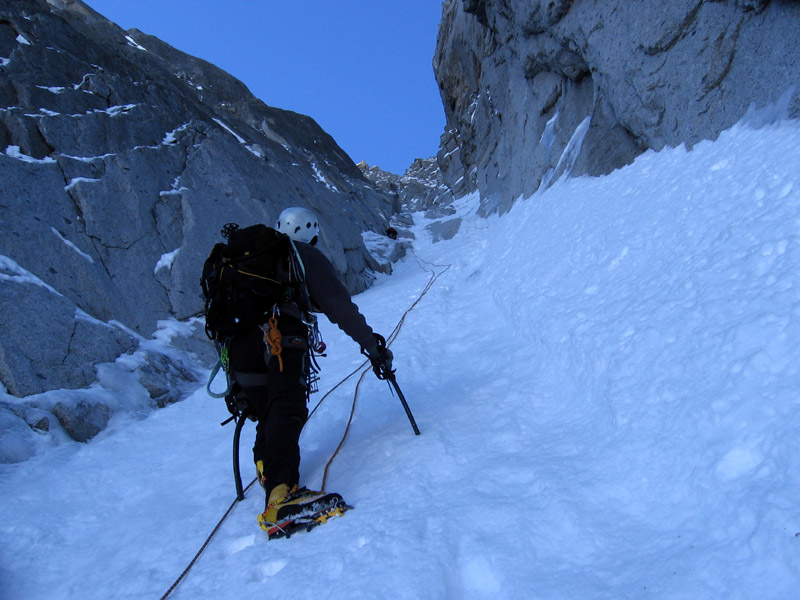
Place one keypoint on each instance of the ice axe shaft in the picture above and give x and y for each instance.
(393, 382)
(237, 477)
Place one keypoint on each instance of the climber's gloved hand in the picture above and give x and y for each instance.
(381, 358)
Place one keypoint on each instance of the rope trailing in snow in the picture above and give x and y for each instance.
(346, 429)
(203, 547)
(389, 342)
(395, 332)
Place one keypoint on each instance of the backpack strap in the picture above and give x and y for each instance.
(307, 316)
(299, 271)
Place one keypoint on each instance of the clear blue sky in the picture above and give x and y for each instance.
(360, 68)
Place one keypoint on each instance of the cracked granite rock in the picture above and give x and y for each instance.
(120, 160)
(534, 90)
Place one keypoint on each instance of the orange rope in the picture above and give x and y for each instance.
(346, 429)
(389, 342)
(273, 339)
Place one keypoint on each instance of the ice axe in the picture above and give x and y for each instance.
(393, 384)
(385, 372)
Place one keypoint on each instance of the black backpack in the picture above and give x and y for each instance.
(245, 277)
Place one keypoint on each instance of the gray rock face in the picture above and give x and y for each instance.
(164, 379)
(536, 89)
(120, 160)
(420, 188)
(83, 421)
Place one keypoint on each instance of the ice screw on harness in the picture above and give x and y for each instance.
(273, 338)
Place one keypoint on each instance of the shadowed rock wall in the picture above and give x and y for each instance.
(536, 89)
(120, 159)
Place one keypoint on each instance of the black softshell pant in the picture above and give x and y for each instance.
(280, 406)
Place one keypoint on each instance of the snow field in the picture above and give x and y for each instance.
(606, 381)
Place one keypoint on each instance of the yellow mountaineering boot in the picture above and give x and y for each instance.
(277, 499)
(277, 496)
(262, 478)
(292, 509)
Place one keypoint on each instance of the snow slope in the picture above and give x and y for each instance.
(606, 380)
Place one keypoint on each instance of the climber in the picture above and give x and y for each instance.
(271, 361)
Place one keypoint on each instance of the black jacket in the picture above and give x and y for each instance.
(331, 297)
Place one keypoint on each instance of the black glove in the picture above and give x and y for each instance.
(381, 358)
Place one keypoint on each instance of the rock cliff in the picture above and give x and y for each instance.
(536, 89)
(120, 159)
(419, 188)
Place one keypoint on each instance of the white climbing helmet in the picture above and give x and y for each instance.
(300, 224)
